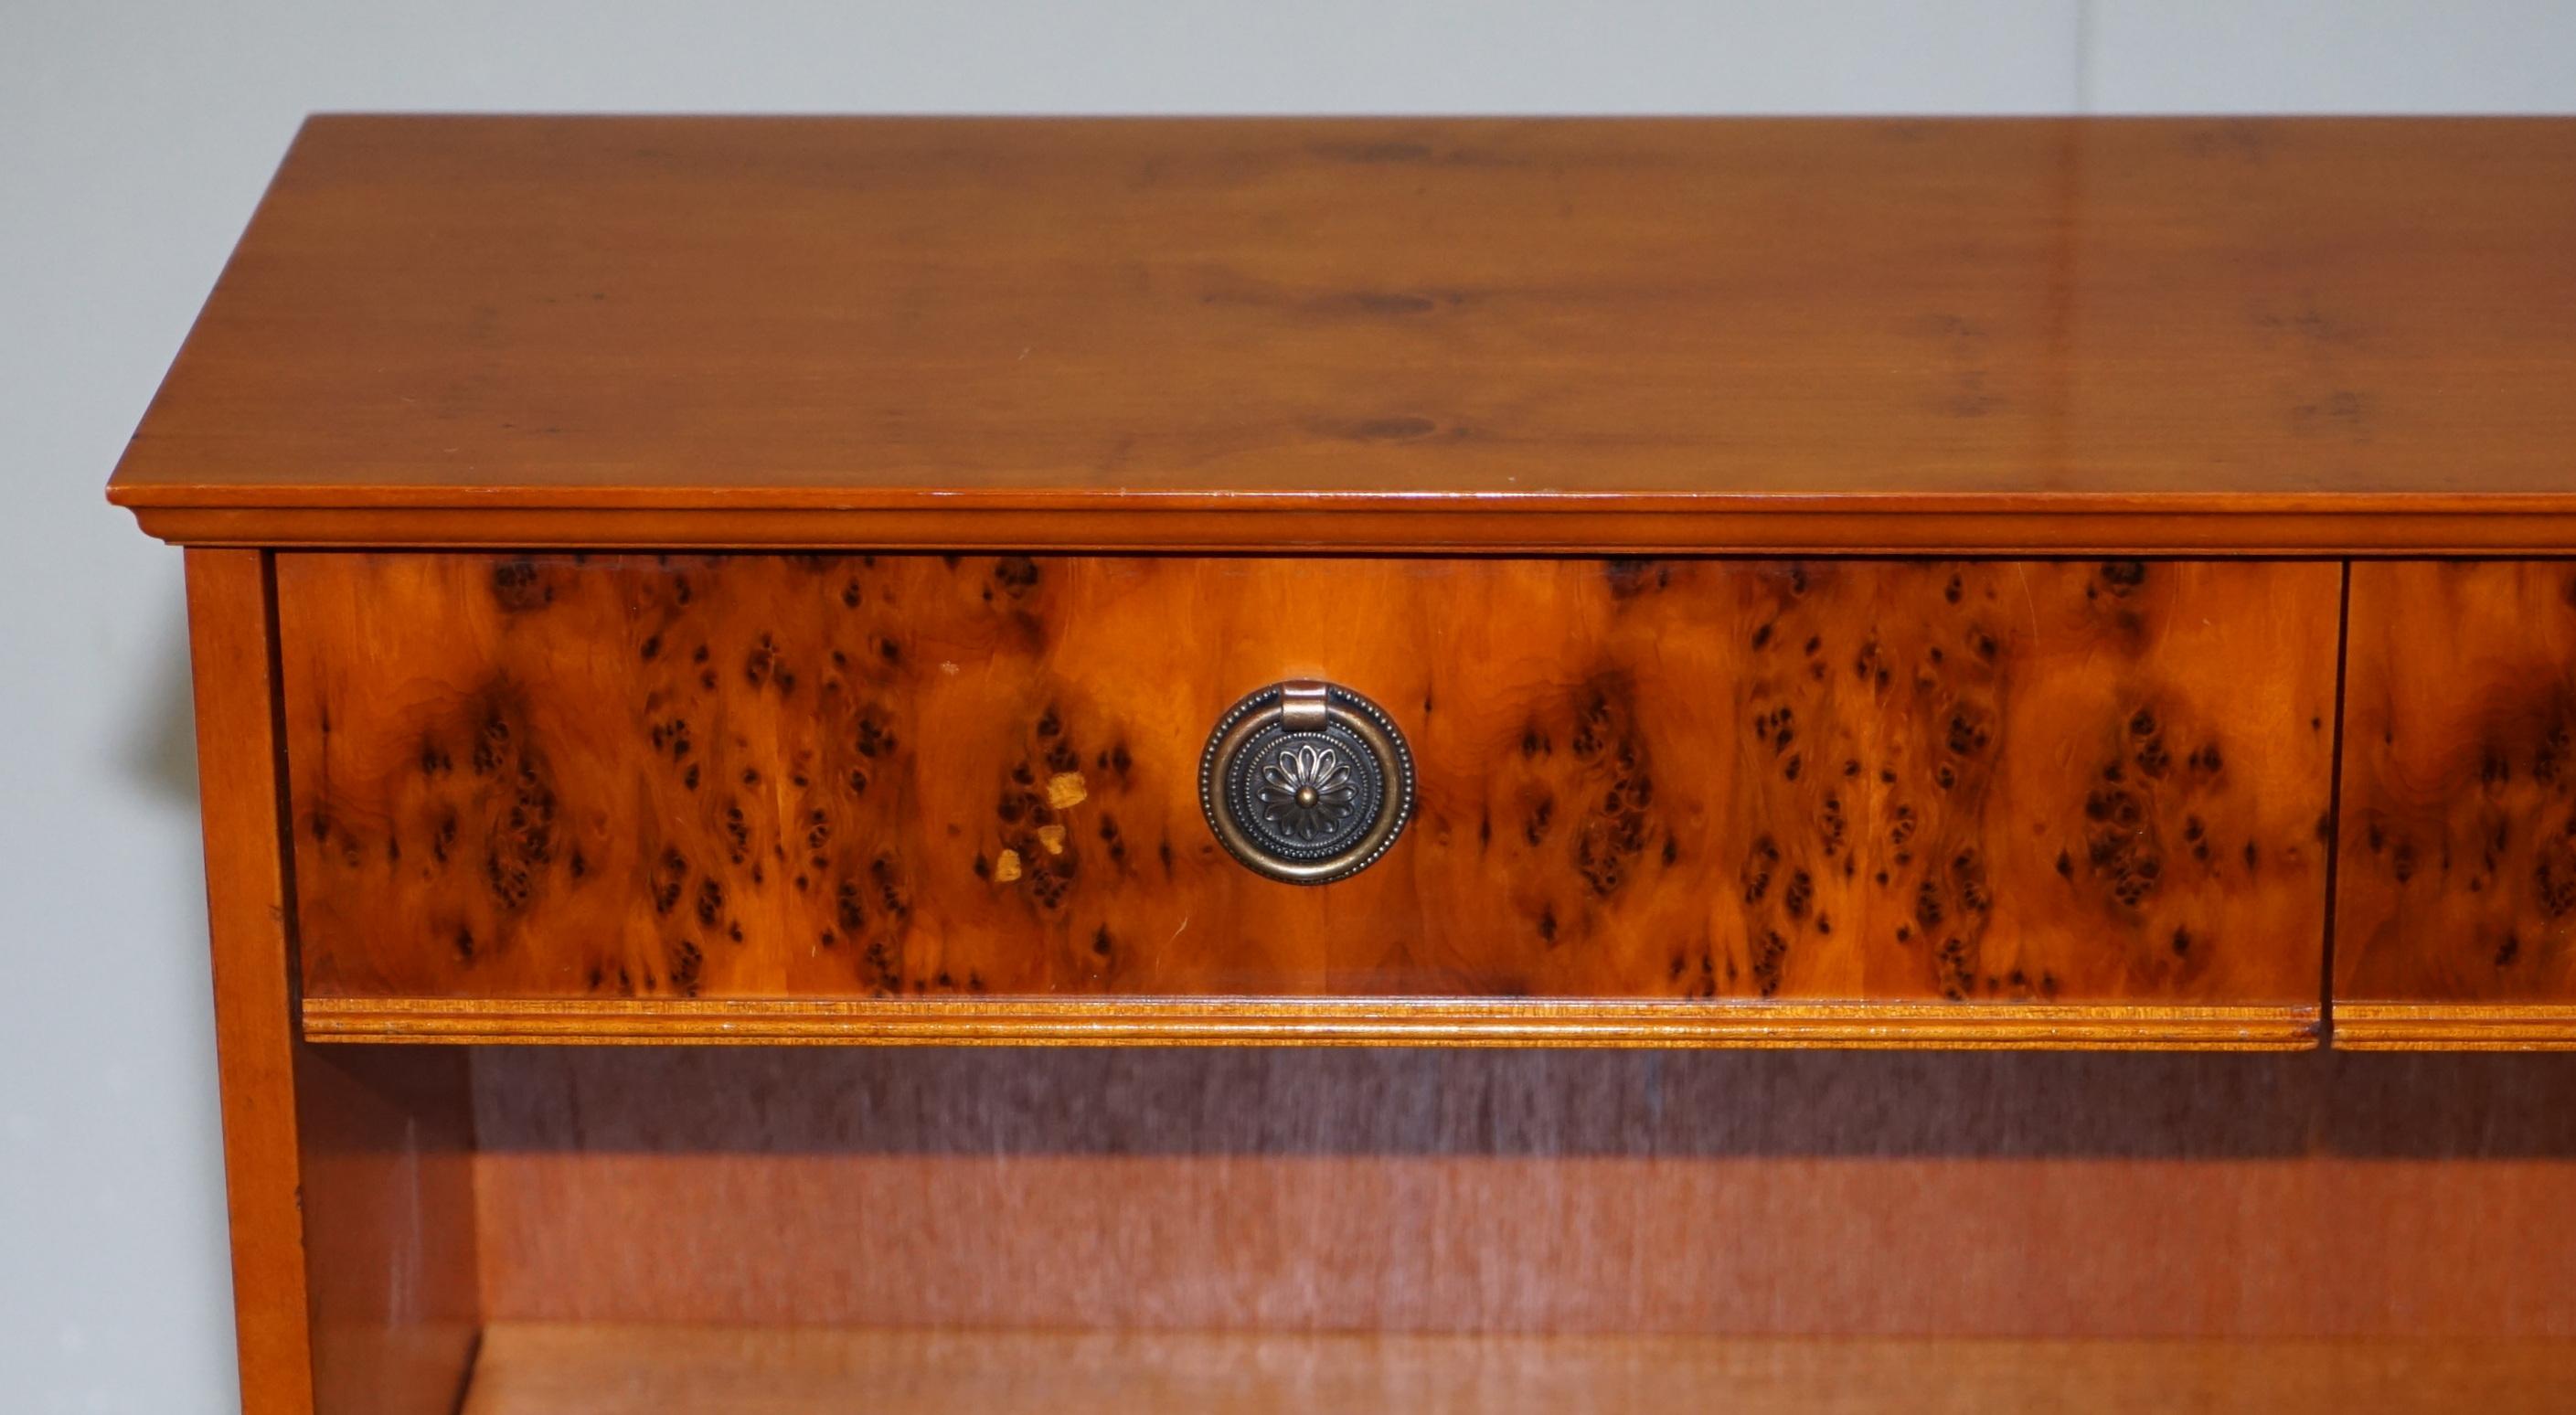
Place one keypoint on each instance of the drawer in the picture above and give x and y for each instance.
(2085, 792)
(2455, 918)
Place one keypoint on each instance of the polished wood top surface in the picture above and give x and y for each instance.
(1398, 335)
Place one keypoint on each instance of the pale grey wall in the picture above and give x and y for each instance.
(134, 138)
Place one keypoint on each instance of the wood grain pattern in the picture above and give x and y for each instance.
(1613, 336)
(351, 1211)
(660, 1370)
(2456, 893)
(816, 777)
(1730, 1193)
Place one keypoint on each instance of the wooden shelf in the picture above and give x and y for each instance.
(1311, 1022)
(683, 1370)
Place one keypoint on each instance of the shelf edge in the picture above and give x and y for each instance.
(2447, 1026)
(1264, 1022)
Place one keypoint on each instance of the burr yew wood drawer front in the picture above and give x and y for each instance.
(1992, 800)
(2456, 913)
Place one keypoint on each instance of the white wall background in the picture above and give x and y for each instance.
(134, 138)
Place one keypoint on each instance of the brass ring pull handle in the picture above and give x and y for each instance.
(1306, 783)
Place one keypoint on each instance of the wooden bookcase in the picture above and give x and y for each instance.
(1945, 688)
